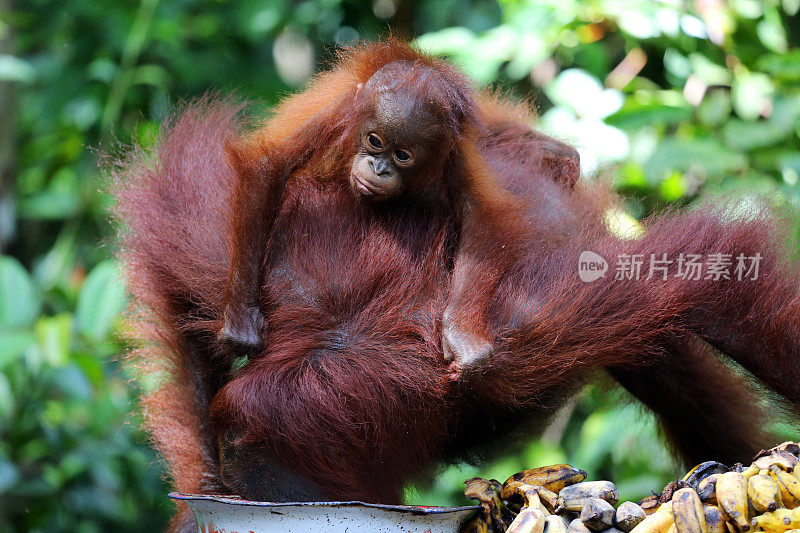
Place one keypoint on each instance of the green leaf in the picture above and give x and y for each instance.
(634, 115)
(50, 205)
(708, 71)
(741, 135)
(7, 403)
(673, 188)
(697, 154)
(715, 108)
(100, 301)
(782, 66)
(55, 338)
(19, 301)
(14, 345)
(771, 32)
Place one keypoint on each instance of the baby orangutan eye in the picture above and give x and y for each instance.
(402, 156)
(374, 141)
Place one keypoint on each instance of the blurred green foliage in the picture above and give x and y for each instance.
(674, 99)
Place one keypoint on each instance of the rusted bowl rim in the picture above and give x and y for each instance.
(235, 500)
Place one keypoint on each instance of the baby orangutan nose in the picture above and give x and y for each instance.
(374, 177)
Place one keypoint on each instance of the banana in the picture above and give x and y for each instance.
(576, 526)
(476, 524)
(597, 514)
(665, 507)
(555, 524)
(687, 511)
(529, 520)
(707, 489)
(702, 471)
(487, 492)
(574, 496)
(764, 493)
(512, 492)
(751, 471)
(792, 519)
(715, 520)
(789, 486)
(530, 497)
(782, 458)
(548, 499)
(628, 516)
(772, 522)
(553, 478)
(732, 498)
(655, 523)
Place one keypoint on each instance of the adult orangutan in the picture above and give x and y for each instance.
(397, 257)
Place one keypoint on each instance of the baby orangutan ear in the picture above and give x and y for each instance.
(559, 160)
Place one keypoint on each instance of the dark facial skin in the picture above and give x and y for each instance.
(395, 143)
(381, 166)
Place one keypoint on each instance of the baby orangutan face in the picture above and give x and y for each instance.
(397, 139)
(382, 166)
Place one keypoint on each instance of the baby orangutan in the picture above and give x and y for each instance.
(411, 128)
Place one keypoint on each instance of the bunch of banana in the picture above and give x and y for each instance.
(710, 498)
(545, 500)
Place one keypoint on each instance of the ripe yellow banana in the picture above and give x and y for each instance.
(687, 510)
(655, 523)
(772, 522)
(574, 496)
(764, 493)
(732, 498)
(789, 486)
(751, 471)
(792, 519)
(715, 520)
(665, 507)
(553, 478)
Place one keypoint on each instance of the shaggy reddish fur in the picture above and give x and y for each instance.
(349, 397)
